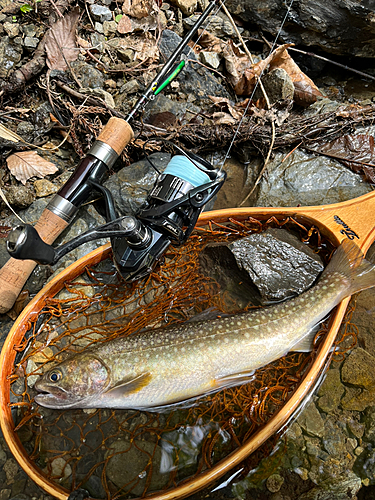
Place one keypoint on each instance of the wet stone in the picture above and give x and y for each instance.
(277, 262)
(274, 483)
(26, 130)
(305, 179)
(358, 369)
(130, 467)
(311, 421)
(331, 391)
(29, 30)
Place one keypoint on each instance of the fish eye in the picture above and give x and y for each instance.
(55, 376)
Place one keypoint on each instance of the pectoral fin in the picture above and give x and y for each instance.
(130, 385)
(233, 379)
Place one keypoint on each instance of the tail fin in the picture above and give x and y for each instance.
(348, 260)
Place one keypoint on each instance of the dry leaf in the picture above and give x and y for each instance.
(305, 91)
(225, 105)
(28, 164)
(8, 135)
(144, 46)
(222, 118)
(138, 8)
(60, 41)
(355, 151)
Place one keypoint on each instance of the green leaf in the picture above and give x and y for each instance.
(118, 17)
(26, 8)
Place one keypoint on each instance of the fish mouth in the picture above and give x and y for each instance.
(58, 398)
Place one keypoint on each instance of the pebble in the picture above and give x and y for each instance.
(60, 468)
(44, 187)
(100, 13)
(12, 29)
(274, 483)
(11, 470)
(211, 59)
(31, 42)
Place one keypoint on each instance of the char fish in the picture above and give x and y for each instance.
(167, 365)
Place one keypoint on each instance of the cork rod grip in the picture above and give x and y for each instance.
(117, 134)
(14, 274)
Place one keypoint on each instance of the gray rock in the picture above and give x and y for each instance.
(31, 42)
(334, 439)
(19, 196)
(163, 104)
(130, 467)
(358, 370)
(42, 118)
(277, 262)
(311, 421)
(12, 29)
(88, 75)
(29, 30)
(196, 79)
(100, 13)
(26, 130)
(331, 391)
(211, 59)
(304, 179)
(10, 54)
(219, 25)
(98, 41)
(278, 86)
(130, 87)
(343, 27)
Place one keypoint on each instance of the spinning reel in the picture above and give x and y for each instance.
(138, 241)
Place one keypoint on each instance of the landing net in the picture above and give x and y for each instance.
(122, 453)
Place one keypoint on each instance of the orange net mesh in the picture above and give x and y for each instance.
(125, 452)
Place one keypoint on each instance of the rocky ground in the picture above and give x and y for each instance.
(64, 72)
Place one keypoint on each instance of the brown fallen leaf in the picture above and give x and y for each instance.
(144, 46)
(138, 8)
(305, 93)
(26, 164)
(60, 41)
(355, 151)
(225, 105)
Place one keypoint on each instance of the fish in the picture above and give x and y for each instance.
(159, 367)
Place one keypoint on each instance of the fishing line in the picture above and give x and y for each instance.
(255, 87)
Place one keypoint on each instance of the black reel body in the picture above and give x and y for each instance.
(139, 241)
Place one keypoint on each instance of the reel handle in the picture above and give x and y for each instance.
(13, 275)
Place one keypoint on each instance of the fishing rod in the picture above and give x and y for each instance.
(163, 221)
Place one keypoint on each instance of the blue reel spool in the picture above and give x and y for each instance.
(180, 166)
